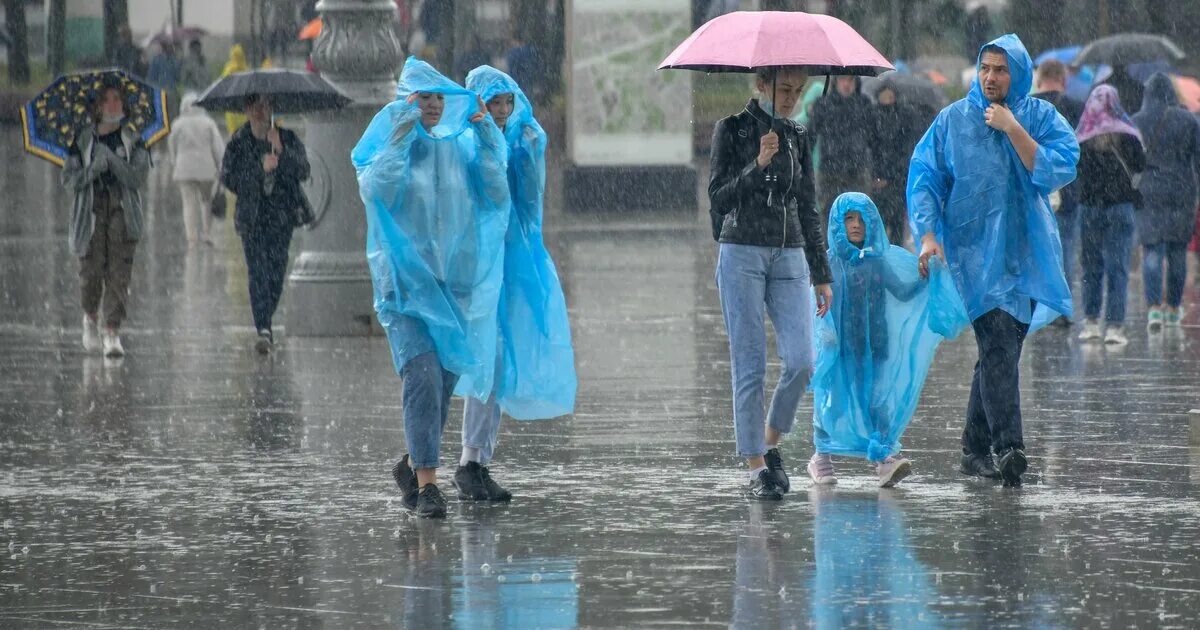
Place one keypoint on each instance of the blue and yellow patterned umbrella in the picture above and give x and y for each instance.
(52, 119)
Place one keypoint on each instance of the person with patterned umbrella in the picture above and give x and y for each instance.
(97, 126)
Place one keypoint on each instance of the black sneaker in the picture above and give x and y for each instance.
(1012, 465)
(406, 478)
(474, 483)
(976, 465)
(775, 467)
(763, 487)
(431, 503)
(264, 342)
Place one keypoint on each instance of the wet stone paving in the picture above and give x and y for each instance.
(196, 484)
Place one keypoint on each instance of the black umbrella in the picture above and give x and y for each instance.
(1128, 48)
(290, 92)
(909, 89)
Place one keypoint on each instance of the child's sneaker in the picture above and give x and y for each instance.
(892, 470)
(1115, 336)
(1175, 317)
(820, 469)
(1154, 320)
(1091, 330)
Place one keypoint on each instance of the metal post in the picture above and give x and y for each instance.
(329, 290)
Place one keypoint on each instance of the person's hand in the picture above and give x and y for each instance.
(270, 162)
(824, 293)
(999, 117)
(478, 116)
(412, 98)
(768, 146)
(929, 248)
(101, 160)
(275, 140)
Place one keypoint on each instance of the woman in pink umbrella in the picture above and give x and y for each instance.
(772, 249)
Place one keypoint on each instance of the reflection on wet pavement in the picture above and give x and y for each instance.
(194, 483)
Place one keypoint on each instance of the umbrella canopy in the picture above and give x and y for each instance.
(52, 119)
(745, 40)
(175, 35)
(290, 91)
(1066, 55)
(910, 89)
(1129, 48)
(311, 30)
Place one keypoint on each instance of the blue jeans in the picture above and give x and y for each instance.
(994, 409)
(1174, 256)
(427, 392)
(1068, 235)
(753, 282)
(481, 427)
(1107, 235)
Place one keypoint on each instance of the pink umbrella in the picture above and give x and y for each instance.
(745, 40)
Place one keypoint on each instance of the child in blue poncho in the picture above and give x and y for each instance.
(432, 176)
(875, 346)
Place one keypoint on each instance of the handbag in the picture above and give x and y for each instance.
(218, 204)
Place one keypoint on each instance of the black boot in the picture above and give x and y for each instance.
(763, 487)
(1012, 465)
(775, 467)
(474, 483)
(431, 503)
(976, 465)
(403, 473)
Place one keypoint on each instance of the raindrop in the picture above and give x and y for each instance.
(364, 448)
(25, 550)
(371, 532)
(629, 575)
(378, 581)
(485, 568)
(59, 413)
(396, 533)
(509, 558)
(496, 537)
(787, 534)
(783, 591)
(8, 523)
(256, 518)
(267, 538)
(153, 589)
(501, 578)
(300, 580)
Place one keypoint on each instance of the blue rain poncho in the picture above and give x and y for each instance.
(875, 345)
(536, 365)
(967, 185)
(437, 208)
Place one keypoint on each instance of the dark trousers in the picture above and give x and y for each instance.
(105, 270)
(894, 211)
(266, 249)
(994, 411)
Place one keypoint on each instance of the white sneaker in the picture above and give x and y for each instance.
(112, 344)
(820, 469)
(1091, 330)
(892, 470)
(1154, 320)
(1115, 336)
(91, 334)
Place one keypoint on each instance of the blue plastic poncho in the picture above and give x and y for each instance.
(537, 362)
(967, 185)
(437, 208)
(875, 345)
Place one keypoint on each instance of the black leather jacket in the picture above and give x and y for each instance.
(775, 207)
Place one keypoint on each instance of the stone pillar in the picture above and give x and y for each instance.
(329, 290)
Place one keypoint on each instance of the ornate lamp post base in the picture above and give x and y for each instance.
(329, 289)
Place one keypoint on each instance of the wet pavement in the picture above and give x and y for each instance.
(195, 484)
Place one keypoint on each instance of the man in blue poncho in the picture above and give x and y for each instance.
(978, 190)
(536, 364)
(432, 176)
(875, 346)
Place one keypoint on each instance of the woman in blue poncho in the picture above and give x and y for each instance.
(875, 346)
(431, 171)
(535, 376)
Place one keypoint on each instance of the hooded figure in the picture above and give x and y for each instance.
(1167, 220)
(878, 340)
(237, 63)
(980, 197)
(843, 125)
(197, 149)
(537, 362)
(968, 186)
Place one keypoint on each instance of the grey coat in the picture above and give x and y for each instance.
(130, 165)
(1172, 139)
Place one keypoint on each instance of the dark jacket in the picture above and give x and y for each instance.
(1071, 110)
(775, 207)
(1128, 88)
(844, 126)
(897, 129)
(1172, 139)
(242, 173)
(1103, 180)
